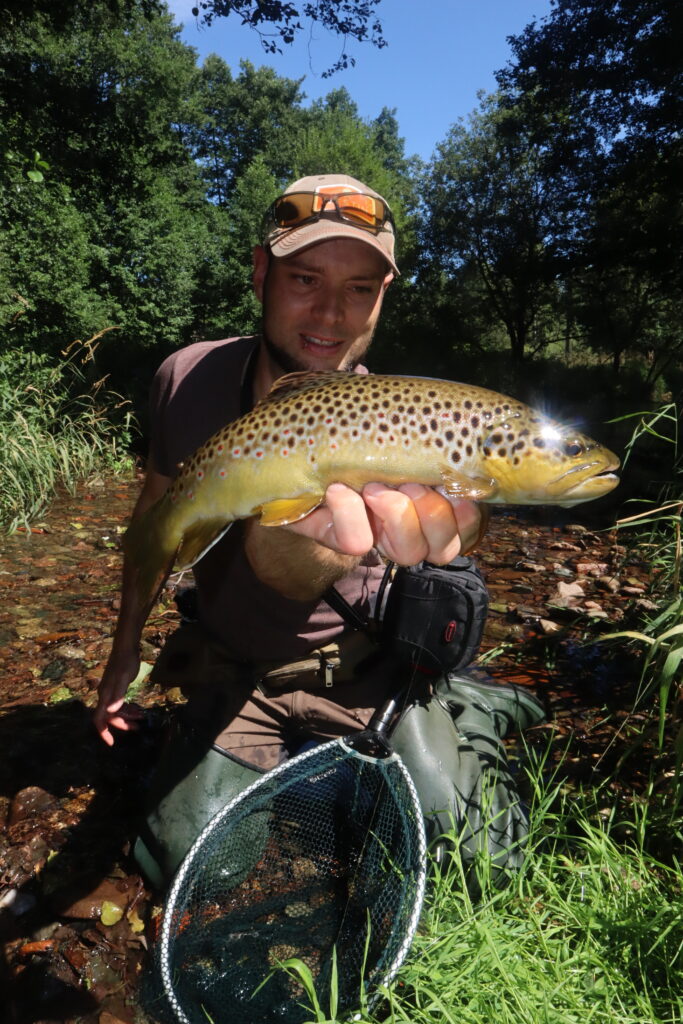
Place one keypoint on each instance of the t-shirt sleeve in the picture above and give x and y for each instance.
(160, 457)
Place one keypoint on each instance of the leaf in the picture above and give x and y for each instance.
(110, 913)
(136, 925)
(138, 683)
(35, 176)
(60, 694)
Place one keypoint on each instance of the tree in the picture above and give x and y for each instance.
(278, 22)
(491, 208)
(238, 117)
(116, 231)
(610, 72)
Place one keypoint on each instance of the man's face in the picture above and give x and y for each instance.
(320, 306)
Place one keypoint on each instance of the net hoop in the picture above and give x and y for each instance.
(165, 936)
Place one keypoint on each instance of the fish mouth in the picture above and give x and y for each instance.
(593, 476)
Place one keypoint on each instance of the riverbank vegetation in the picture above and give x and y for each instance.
(589, 930)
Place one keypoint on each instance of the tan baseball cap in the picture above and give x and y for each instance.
(328, 222)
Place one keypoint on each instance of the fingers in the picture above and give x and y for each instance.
(408, 524)
(116, 715)
(342, 523)
(415, 523)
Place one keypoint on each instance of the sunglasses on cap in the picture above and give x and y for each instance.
(296, 208)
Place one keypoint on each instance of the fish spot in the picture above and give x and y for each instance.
(438, 442)
(457, 416)
(221, 472)
(502, 453)
(200, 474)
(449, 435)
(455, 456)
(259, 453)
(468, 450)
(237, 452)
(539, 442)
(474, 421)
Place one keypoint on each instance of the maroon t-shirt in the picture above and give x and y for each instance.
(195, 393)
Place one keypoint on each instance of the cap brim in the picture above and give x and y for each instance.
(289, 241)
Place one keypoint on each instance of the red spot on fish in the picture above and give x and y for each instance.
(221, 472)
(219, 448)
(259, 454)
(329, 419)
(311, 440)
(236, 452)
(285, 451)
(285, 432)
(333, 446)
(190, 494)
(200, 474)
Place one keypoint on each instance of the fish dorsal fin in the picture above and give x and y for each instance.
(303, 380)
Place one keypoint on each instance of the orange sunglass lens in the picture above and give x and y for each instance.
(292, 209)
(361, 208)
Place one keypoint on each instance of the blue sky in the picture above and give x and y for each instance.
(441, 53)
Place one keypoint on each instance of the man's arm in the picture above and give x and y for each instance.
(407, 524)
(124, 660)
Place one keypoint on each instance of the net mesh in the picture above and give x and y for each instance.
(324, 857)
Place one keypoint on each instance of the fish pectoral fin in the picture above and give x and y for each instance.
(288, 510)
(197, 540)
(476, 488)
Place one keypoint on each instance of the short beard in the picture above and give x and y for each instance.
(281, 360)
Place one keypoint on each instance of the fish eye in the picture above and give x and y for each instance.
(573, 448)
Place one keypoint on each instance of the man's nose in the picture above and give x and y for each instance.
(329, 305)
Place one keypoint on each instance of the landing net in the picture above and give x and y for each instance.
(324, 853)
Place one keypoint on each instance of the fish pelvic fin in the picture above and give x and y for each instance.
(288, 510)
(476, 488)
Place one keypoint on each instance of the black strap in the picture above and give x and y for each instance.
(341, 606)
(352, 616)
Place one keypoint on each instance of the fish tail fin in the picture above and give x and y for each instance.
(151, 547)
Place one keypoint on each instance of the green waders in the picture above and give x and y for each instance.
(451, 745)
(191, 783)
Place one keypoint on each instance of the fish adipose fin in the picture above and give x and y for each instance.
(198, 538)
(288, 510)
(476, 488)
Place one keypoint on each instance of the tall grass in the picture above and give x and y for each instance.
(55, 428)
(590, 930)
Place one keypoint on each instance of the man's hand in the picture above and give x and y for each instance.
(407, 524)
(112, 712)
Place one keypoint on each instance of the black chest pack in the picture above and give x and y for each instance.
(429, 616)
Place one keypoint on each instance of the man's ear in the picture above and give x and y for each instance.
(261, 262)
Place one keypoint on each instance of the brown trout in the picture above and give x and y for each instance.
(314, 429)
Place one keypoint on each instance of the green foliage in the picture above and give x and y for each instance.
(56, 427)
(590, 929)
(491, 209)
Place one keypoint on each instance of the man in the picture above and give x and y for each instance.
(254, 668)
